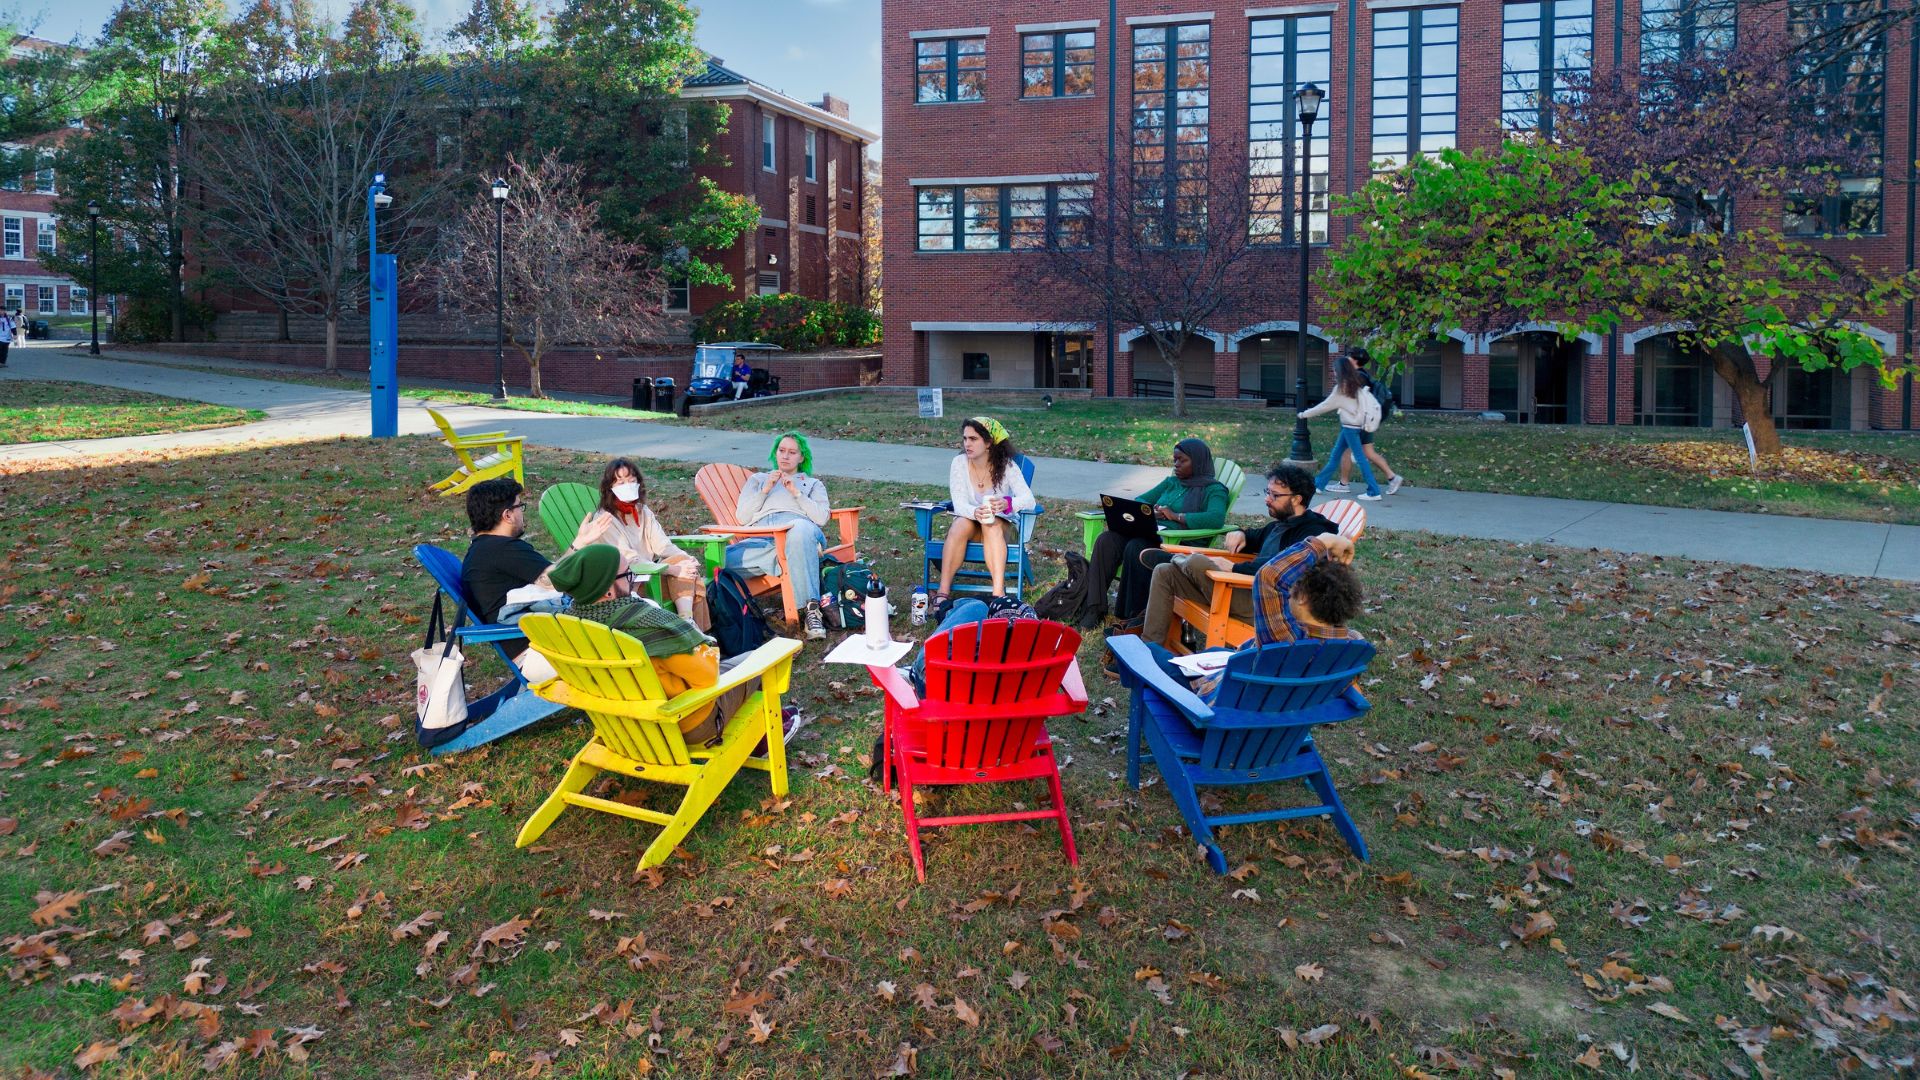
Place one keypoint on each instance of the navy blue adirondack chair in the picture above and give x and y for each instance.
(507, 709)
(1257, 730)
(972, 576)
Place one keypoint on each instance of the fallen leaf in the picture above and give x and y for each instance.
(964, 1013)
(1310, 972)
(55, 908)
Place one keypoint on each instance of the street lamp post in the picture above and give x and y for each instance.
(499, 290)
(1306, 102)
(93, 271)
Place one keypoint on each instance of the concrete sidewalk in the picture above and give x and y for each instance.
(296, 411)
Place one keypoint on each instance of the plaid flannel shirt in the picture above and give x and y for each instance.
(1274, 619)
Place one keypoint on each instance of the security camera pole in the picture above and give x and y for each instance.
(383, 305)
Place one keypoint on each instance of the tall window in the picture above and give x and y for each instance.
(1286, 54)
(43, 236)
(12, 237)
(1546, 42)
(76, 301)
(950, 69)
(43, 177)
(1056, 65)
(1675, 30)
(1004, 217)
(1844, 76)
(812, 170)
(766, 141)
(1416, 83)
(1171, 79)
(47, 305)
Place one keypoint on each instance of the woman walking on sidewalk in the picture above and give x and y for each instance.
(1363, 360)
(1346, 397)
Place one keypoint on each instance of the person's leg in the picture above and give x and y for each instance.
(805, 542)
(1134, 577)
(963, 612)
(1327, 472)
(1351, 436)
(1109, 552)
(962, 532)
(993, 544)
(1174, 581)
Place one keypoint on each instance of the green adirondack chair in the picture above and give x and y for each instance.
(1093, 522)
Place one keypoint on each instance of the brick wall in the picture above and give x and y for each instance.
(577, 371)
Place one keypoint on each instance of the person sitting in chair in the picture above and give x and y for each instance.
(1188, 499)
(987, 490)
(792, 496)
(1290, 489)
(626, 521)
(740, 377)
(498, 561)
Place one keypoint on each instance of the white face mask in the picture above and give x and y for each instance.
(628, 492)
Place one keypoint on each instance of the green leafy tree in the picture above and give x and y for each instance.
(153, 65)
(46, 85)
(1625, 216)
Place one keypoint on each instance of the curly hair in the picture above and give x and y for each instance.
(489, 500)
(1297, 480)
(607, 501)
(1332, 592)
(999, 454)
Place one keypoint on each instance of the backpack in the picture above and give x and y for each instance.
(1370, 411)
(1064, 601)
(843, 593)
(738, 624)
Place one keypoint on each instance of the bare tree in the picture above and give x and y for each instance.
(1185, 254)
(566, 279)
(303, 119)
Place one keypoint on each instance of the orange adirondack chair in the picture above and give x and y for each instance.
(990, 689)
(719, 486)
(1214, 622)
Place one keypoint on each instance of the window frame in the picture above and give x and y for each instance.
(769, 145)
(1683, 21)
(1056, 63)
(1002, 205)
(13, 237)
(1548, 69)
(44, 242)
(813, 162)
(1174, 228)
(950, 69)
(49, 301)
(1834, 73)
(1290, 56)
(1416, 77)
(79, 302)
(985, 373)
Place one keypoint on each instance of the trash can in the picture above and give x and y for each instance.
(663, 394)
(643, 395)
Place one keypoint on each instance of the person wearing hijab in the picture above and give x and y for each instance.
(1190, 498)
(790, 495)
(625, 521)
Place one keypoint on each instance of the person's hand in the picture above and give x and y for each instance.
(593, 530)
(787, 482)
(1164, 513)
(684, 569)
(1337, 547)
(1234, 541)
(1221, 564)
(983, 513)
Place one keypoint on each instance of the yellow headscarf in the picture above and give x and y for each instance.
(996, 431)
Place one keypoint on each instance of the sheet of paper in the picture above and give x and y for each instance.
(1205, 663)
(855, 650)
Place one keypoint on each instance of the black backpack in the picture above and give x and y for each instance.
(843, 593)
(738, 624)
(1064, 601)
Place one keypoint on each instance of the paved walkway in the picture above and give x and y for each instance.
(297, 411)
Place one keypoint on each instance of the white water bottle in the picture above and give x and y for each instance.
(874, 609)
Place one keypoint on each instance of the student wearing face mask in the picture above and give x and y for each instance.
(626, 522)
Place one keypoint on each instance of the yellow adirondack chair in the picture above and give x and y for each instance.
(636, 727)
(500, 454)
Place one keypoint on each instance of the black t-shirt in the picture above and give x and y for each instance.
(495, 566)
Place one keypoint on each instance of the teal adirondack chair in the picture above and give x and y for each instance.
(1094, 522)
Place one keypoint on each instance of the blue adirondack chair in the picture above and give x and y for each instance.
(927, 518)
(1257, 730)
(507, 709)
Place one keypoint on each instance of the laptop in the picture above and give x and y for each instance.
(1130, 518)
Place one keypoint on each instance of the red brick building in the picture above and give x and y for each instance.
(27, 226)
(990, 112)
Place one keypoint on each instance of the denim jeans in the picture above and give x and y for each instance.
(961, 613)
(805, 541)
(1349, 440)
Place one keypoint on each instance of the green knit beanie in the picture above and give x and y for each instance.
(587, 574)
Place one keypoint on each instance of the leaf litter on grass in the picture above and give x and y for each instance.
(1593, 784)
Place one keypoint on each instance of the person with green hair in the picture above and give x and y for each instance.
(791, 495)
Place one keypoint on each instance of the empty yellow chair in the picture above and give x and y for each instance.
(499, 455)
(636, 727)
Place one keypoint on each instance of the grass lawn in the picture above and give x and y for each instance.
(1610, 465)
(357, 382)
(50, 411)
(1625, 813)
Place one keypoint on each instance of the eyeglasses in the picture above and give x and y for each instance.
(1272, 494)
(520, 506)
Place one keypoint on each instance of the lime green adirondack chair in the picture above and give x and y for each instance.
(1093, 522)
(564, 506)
(636, 727)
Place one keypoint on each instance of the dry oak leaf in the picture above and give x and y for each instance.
(964, 1013)
(507, 933)
(1310, 972)
(114, 845)
(1591, 1059)
(838, 888)
(1539, 924)
(1661, 1008)
(742, 1004)
(96, 1053)
(54, 907)
(1320, 1034)
(759, 1030)
(886, 990)
(416, 925)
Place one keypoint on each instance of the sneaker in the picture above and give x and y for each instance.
(1010, 607)
(816, 623)
(1338, 487)
(917, 610)
(1393, 485)
(791, 721)
(1368, 498)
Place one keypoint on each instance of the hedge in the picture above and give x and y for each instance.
(795, 323)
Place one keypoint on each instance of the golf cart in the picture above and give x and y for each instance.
(712, 364)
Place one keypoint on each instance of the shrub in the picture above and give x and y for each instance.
(792, 322)
(144, 319)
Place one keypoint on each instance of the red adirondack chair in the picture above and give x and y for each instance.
(990, 688)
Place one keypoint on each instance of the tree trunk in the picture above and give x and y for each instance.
(1736, 367)
(333, 342)
(1179, 382)
(177, 299)
(533, 376)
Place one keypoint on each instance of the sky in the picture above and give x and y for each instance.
(802, 48)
